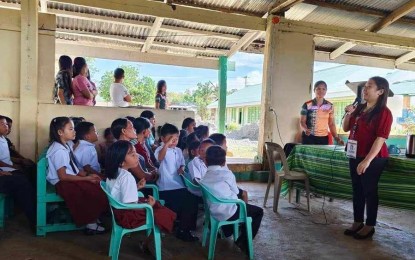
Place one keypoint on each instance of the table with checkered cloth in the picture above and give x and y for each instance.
(328, 170)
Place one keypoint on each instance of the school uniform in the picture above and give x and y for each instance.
(85, 200)
(221, 183)
(85, 154)
(196, 169)
(17, 185)
(172, 189)
(124, 189)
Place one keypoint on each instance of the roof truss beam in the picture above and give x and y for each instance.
(135, 23)
(248, 38)
(281, 6)
(127, 54)
(386, 21)
(404, 58)
(394, 16)
(153, 34)
(184, 13)
(346, 34)
(140, 41)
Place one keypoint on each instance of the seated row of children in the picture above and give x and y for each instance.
(75, 171)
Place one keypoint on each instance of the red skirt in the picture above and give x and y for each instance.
(163, 217)
(85, 200)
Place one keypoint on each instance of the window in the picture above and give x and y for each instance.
(339, 107)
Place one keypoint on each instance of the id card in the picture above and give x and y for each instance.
(351, 149)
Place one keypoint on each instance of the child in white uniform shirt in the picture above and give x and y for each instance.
(197, 167)
(79, 189)
(171, 186)
(118, 92)
(220, 140)
(122, 156)
(84, 148)
(222, 183)
(12, 181)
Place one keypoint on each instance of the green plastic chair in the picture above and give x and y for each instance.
(216, 224)
(2, 209)
(46, 194)
(118, 232)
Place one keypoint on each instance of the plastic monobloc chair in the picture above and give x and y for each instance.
(276, 153)
(215, 224)
(118, 232)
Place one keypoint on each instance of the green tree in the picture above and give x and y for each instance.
(202, 96)
(141, 89)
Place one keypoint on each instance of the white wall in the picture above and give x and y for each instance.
(287, 79)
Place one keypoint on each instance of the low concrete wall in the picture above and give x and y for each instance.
(102, 117)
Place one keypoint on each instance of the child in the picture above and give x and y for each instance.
(188, 127)
(197, 167)
(220, 140)
(186, 152)
(150, 141)
(171, 186)
(202, 132)
(122, 156)
(142, 126)
(123, 129)
(222, 183)
(12, 181)
(80, 190)
(161, 97)
(103, 147)
(84, 148)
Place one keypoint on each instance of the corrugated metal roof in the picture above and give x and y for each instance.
(203, 45)
(384, 5)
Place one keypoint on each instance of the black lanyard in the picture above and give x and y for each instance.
(72, 160)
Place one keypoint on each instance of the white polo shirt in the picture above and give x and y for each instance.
(117, 93)
(169, 178)
(58, 157)
(85, 154)
(124, 187)
(222, 184)
(5, 155)
(197, 168)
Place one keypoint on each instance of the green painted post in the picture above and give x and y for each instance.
(223, 77)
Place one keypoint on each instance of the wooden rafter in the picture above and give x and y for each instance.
(152, 34)
(281, 6)
(184, 13)
(394, 16)
(248, 37)
(386, 21)
(404, 58)
(135, 23)
(130, 40)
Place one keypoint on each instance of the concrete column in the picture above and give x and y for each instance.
(223, 78)
(28, 77)
(286, 85)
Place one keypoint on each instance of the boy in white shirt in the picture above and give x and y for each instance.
(118, 92)
(197, 167)
(222, 184)
(84, 148)
(171, 186)
(12, 181)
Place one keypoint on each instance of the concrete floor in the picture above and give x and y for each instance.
(290, 234)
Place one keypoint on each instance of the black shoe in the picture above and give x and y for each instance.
(91, 232)
(349, 232)
(361, 237)
(186, 236)
(242, 244)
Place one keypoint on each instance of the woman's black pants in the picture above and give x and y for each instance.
(365, 189)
